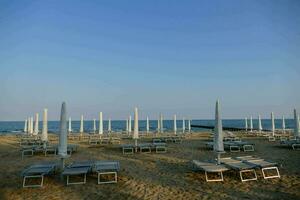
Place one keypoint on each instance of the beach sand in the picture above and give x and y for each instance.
(153, 176)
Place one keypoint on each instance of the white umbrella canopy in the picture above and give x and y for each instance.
(246, 124)
(109, 125)
(31, 125)
(25, 126)
(183, 125)
(283, 124)
(70, 124)
(296, 124)
(189, 125)
(94, 127)
(63, 140)
(100, 123)
(136, 124)
(158, 125)
(175, 125)
(136, 127)
(36, 125)
(259, 124)
(273, 123)
(126, 125)
(28, 125)
(129, 124)
(81, 125)
(218, 132)
(45, 127)
(161, 123)
(251, 124)
(147, 124)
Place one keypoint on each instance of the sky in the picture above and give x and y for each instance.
(173, 57)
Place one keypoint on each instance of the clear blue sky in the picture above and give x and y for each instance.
(163, 56)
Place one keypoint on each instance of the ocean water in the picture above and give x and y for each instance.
(119, 125)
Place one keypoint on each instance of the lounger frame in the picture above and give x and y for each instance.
(247, 171)
(107, 173)
(31, 177)
(216, 179)
(263, 170)
(78, 182)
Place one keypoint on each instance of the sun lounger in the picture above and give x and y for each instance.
(264, 165)
(160, 147)
(211, 168)
(37, 171)
(241, 167)
(77, 169)
(294, 144)
(128, 148)
(103, 168)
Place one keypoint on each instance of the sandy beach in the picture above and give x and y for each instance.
(153, 176)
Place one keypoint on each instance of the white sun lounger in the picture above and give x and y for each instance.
(77, 169)
(211, 168)
(241, 167)
(37, 171)
(264, 165)
(106, 168)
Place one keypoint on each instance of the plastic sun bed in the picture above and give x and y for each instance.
(211, 168)
(106, 168)
(241, 167)
(77, 169)
(264, 165)
(295, 144)
(37, 171)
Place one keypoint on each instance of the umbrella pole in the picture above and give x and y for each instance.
(135, 142)
(219, 158)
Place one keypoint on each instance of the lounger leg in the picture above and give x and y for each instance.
(37, 176)
(234, 149)
(248, 148)
(105, 182)
(270, 168)
(248, 179)
(76, 183)
(214, 180)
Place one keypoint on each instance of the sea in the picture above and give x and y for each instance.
(15, 127)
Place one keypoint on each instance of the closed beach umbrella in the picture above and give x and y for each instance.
(25, 126)
(246, 124)
(63, 141)
(251, 124)
(126, 125)
(259, 124)
(31, 125)
(183, 125)
(161, 123)
(81, 125)
(109, 125)
(283, 124)
(189, 125)
(158, 125)
(218, 132)
(70, 124)
(296, 121)
(129, 124)
(45, 127)
(147, 124)
(175, 125)
(28, 125)
(273, 123)
(136, 127)
(36, 125)
(94, 128)
(100, 123)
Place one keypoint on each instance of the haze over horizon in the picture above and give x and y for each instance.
(161, 56)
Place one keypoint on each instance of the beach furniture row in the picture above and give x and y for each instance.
(75, 173)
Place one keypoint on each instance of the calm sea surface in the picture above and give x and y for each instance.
(119, 125)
